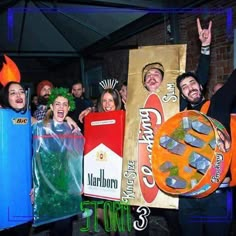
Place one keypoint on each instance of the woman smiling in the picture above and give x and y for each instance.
(57, 169)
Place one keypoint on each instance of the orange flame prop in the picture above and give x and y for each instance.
(9, 72)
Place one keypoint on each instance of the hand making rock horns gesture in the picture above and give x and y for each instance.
(204, 34)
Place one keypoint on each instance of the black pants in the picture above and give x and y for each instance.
(20, 230)
(62, 227)
(211, 215)
(171, 217)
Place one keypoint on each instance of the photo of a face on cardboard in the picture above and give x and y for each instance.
(152, 76)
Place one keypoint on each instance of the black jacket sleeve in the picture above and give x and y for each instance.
(222, 102)
(203, 69)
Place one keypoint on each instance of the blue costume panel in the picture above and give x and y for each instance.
(15, 168)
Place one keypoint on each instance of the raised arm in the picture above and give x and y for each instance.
(203, 68)
(204, 59)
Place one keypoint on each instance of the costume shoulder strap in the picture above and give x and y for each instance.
(205, 107)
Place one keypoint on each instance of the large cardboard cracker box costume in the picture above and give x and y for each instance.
(146, 111)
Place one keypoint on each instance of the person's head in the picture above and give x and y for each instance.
(123, 91)
(43, 91)
(60, 102)
(34, 100)
(13, 96)
(216, 87)
(189, 87)
(153, 75)
(109, 100)
(77, 89)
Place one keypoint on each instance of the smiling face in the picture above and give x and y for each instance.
(108, 103)
(153, 80)
(16, 96)
(60, 108)
(191, 90)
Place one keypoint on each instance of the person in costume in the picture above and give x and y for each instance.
(13, 97)
(216, 204)
(57, 158)
(156, 77)
(43, 92)
(153, 74)
(109, 100)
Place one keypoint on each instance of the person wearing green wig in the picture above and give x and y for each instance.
(57, 166)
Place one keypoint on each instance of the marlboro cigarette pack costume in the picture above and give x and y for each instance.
(104, 134)
(15, 159)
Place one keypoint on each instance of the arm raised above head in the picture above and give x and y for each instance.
(204, 60)
(203, 67)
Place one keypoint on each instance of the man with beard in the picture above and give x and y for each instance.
(214, 208)
(43, 92)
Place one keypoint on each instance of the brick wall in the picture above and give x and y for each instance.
(115, 63)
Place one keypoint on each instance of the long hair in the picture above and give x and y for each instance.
(116, 97)
(5, 97)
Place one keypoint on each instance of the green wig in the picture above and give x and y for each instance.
(62, 92)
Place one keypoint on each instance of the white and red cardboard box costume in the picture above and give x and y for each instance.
(104, 135)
